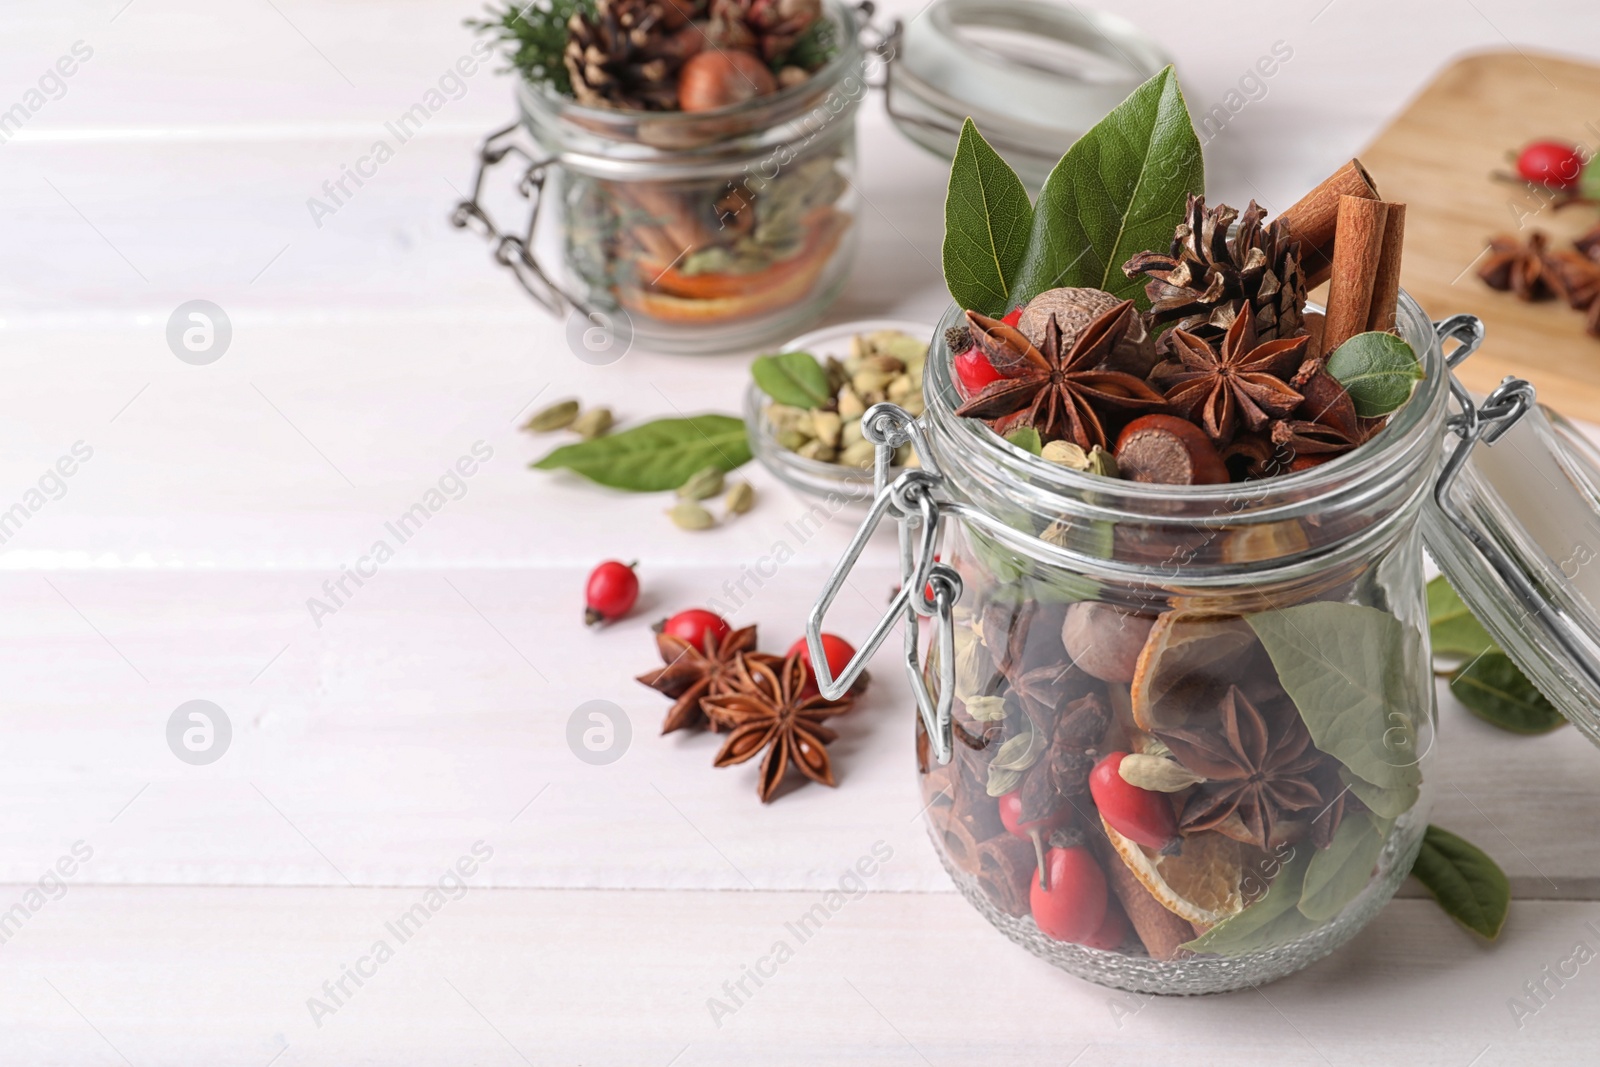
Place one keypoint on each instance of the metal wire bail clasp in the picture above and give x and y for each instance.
(911, 499)
(513, 251)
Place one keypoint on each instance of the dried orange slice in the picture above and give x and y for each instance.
(1187, 664)
(1199, 883)
(770, 290)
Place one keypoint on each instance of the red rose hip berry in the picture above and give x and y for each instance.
(1073, 908)
(836, 649)
(1143, 816)
(1550, 163)
(693, 624)
(611, 592)
(1035, 830)
(1112, 933)
(971, 367)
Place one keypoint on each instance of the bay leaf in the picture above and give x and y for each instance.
(656, 456)
(1120, 189)
(1452, 628)
(987, 219)
(1352, 673)
(1337, 874)
(1271, 920)
(1469, 886)
(1494, 689)
(792, 378)
(1389, 803)
(1378, 370)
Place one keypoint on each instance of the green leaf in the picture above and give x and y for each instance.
(1389, 803)
(987, 219)
(656, 456)
(1495, 690)
(792, 378)
(1027, 439)
(1379, 370)
(1589, 183)
(1351, 671)
(1120, 190)
(1269, 921)
(1454, 630)
(1469, 886)
(1338, 873)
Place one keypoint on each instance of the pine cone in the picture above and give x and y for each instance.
(628, 53)
(769, 28)
(1209, 277)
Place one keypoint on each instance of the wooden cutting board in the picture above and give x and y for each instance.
(1438, 158)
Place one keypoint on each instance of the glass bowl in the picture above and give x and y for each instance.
(832, 482)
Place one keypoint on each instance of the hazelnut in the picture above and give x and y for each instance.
(1170, 451)
(722, 78)
(1104, 640)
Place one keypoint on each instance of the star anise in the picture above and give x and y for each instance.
(1325, 423)
(1242, 383)
(1060, 393)
(1514, 267)
(1257, 766)
(1574, 276)
(766, 708)
(691, 674)
(1589, 243)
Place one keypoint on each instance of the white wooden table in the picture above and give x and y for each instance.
(423, 724)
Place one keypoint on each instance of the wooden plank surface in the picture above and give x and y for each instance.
(192, 975)
(1439, 156)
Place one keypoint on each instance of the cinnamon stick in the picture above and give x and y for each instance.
(1357, 247)
(1006, 867)
(1386, 286)
(1161, 931)
(1314, 217)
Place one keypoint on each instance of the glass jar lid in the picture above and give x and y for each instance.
(1033, 75)
(1514, 523)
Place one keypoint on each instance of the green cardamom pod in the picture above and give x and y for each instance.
(741, 498)
(555, 417)
(688, 515)
(702, 484)
(596, 422)
(1156, 773)
(1065, 454)
(1102, 463)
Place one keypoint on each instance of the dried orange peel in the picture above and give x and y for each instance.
(1187, 662)
(1200, 883)
(672, 297)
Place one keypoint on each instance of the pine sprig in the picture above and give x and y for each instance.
(535, 35)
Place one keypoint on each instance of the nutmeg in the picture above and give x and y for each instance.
(1074, 309)
(721, 78)
(1104, 640)
(1170, 451)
